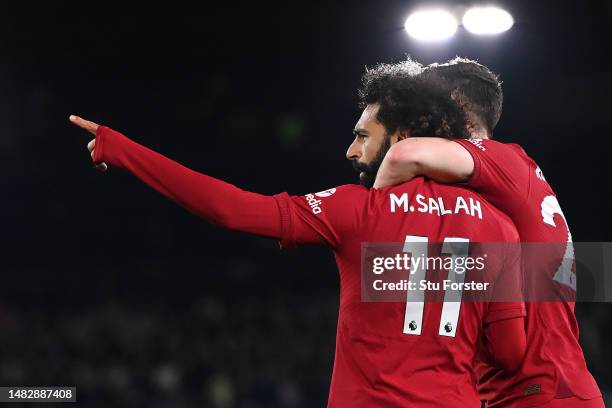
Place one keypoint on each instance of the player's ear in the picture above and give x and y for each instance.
(403, 134)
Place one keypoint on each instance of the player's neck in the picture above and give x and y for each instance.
(476, 127)
(479, 133)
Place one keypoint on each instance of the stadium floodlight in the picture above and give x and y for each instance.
(487, 20)
(433, 24)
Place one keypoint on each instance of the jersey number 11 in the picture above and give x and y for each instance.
(413, 319)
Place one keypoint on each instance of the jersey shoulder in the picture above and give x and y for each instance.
(537, 180)
(347, 193)
(339, 202)
(512, 149)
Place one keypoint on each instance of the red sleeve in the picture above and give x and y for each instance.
(325, 217)
(506, 297)
(507, 342)
(504, 320)
(499, 311)
(500, 173)
(214, 200)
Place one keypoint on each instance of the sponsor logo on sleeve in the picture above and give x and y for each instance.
(326, 193)
(314, 203)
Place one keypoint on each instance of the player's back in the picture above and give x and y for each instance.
(414, 354)
(554, 365)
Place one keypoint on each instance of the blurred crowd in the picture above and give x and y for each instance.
(244, 348)
(259, 352)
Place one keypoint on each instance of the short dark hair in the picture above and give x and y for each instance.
(409, 101)
(479, 88)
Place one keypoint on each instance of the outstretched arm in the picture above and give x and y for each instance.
(436, 158)
(214, 200)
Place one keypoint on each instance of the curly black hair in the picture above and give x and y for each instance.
(409, 101)
(480, 89)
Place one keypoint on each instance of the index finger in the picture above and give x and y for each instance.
(89, 126)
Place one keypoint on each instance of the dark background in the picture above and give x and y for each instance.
(110, 287)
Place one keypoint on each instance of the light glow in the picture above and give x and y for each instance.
(431, 25)
(487, 20)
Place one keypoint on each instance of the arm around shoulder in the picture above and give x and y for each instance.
(439, 159)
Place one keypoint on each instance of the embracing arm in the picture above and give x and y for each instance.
(439, 159)
(214, 200)
(507, 342)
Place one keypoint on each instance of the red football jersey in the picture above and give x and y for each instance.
(383, 357)
(554, 365)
